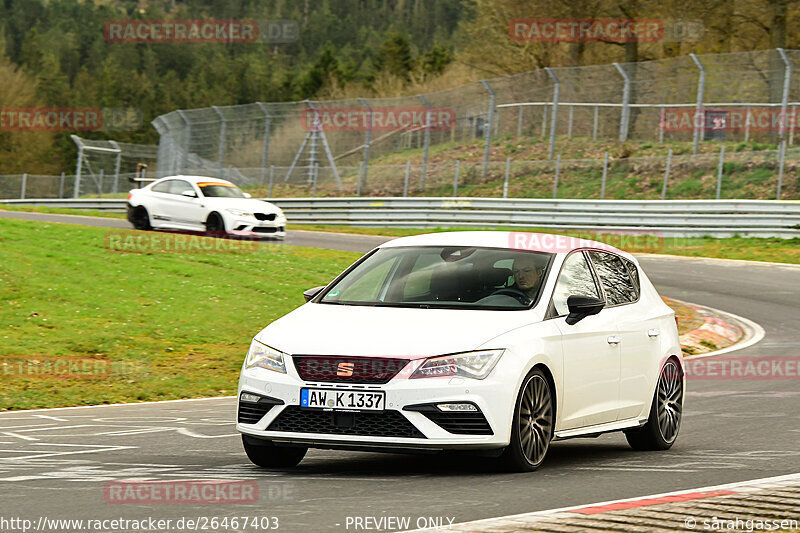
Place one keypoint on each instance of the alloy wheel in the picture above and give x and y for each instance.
(670, 401)
(535, 419)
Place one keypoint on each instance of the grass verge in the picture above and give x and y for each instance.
(137, 326)
(62, 211)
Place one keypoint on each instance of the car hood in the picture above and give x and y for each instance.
(250, 205)
(327, 329)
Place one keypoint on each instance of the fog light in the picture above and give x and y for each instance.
(247, 397)
(456, 407)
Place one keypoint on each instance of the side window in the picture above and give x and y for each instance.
(634, 272)
(575, 278)
(178, 186)
(164, 186)
(614, 277)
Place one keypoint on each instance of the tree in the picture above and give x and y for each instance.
(394, 56)
(22, 150)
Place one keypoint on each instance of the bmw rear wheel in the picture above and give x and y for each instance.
(532, 428)
(140, 218)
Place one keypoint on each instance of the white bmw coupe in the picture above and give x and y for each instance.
(195, 203)
(488, 341)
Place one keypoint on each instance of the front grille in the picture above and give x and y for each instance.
(458, 422)
(368, 424)
(347, 369)
(252, 413)
(265, 216)
(264, 230)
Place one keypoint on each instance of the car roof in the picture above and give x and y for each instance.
(197, 179)
(515, 240)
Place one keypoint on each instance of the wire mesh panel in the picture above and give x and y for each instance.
(648, 101)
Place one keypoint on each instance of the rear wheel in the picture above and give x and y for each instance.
(532, 426)
(661, 429)
(266, 454)
(140, 219)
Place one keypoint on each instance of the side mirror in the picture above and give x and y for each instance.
(582, 306)
(310, 293)
(189, 194)
(248, 195)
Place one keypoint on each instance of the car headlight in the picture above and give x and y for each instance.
(476, 365)
(239, 213)
(262, 356)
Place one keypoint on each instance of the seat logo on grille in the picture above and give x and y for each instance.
(345, 369)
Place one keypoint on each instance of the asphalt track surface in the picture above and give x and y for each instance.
(55, 463)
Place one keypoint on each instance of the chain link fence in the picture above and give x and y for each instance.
(763, 174)
(678, 99)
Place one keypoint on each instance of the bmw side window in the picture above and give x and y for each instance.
(575, 278)
(615, 278)
(164, 186)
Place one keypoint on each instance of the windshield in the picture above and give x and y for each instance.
(444, 277)
(220, 190)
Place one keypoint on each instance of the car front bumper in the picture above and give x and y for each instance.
(409, 420)
(265, 229)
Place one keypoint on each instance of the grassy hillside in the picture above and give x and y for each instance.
(635, 171)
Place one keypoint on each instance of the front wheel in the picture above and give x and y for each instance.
(532, 425)
(215, 225)
(664, 422)
(266, 454)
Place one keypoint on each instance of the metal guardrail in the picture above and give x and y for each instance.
(716, 218)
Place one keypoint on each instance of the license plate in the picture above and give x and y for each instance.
(347, 400)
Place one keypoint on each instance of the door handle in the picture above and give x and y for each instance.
(653, 333)
(613, 339)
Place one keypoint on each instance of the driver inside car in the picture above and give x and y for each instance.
(527, 273)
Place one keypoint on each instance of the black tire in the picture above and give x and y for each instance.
(215, 225)
(531, 433)
(266, 454)
(664, 422)
(140, 218)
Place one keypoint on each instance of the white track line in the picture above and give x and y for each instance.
(50, 409)
(726, 486)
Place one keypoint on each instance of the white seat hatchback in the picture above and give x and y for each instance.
(493, 342)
